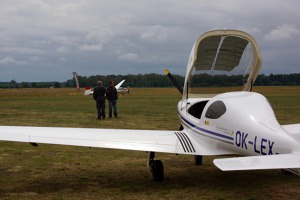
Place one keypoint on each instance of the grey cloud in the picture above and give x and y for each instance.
(62, 50)
(129, 57)
(134, 36)
(155, 33)
(282, 32)
(7, 60)
(90, 47)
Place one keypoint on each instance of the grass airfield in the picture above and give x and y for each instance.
(66, 172)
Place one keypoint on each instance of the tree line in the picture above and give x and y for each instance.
(158, 80)
(199, 80)
(53, 84)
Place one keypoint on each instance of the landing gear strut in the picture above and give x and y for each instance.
(156, 167)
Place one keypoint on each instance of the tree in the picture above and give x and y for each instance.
(57, 85)
(34, 85)
(25, 85)
(13, 83)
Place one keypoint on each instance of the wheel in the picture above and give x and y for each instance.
(181, 128)
(286, 172)
(198, 160)
(157, 170)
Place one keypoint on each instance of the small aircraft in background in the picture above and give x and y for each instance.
(88, 90)
(231, 123)
(122, 90)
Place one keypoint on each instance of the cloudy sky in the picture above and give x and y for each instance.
(47, 40)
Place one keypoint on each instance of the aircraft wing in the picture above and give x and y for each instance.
(119, 84)
(292, 128)
(178, 142)
(282, 161)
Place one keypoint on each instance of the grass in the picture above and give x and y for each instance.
(65, 172)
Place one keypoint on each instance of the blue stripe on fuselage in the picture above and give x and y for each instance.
(207, 131)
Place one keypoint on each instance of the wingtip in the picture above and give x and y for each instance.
(217, 164)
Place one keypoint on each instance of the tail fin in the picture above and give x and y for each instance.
(76, 80)
(88, 91)
(119, 84)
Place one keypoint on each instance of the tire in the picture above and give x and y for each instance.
(286, 172)
(198, 160)
(157, 170)
(181, 128)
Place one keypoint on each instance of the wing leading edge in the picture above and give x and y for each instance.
(178, 142)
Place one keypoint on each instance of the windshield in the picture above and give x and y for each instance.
(215, 110)
(223, 61)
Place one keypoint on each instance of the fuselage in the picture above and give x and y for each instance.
(122, 90)
(241, 123)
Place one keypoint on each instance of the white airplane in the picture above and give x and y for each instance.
(122, 90)
(231, 123)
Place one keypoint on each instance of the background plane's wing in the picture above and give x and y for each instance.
(282, 161)
(119, 84)
(144, 140)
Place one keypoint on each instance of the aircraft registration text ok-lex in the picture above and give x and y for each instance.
(231, 123)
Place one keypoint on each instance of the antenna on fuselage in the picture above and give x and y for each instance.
(174, 81)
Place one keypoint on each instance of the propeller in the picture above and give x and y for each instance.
(174, 81)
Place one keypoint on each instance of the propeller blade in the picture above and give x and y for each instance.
(174, 81)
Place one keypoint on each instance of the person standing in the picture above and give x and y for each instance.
(99, 97)
(112, 97)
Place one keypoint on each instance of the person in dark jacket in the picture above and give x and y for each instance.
(99, 97)
(112, 97)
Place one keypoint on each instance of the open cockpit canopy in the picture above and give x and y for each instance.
(222, 58)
